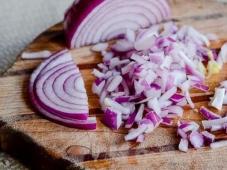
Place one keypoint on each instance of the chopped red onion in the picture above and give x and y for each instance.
(133, 134)
(139, 114)
(111, 103)
(201, 87)
(168, 94)
(207, 114)
(216, 128)
(182, 134)
(196, 139)
(183, 145)
(140, 139)
(218, 98)
(36, 55)
(116, 81)
(167, 121)
(154, 104)
(154, 118)
(100, 47)
(208, 137)
(156, 77)
(177, 97)
(223, 53)
(207, 124)
(218, 144)
(112, 118)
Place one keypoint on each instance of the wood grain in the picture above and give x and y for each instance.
(45, 145)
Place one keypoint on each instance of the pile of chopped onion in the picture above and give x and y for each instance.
(57, 91)
(145, 77)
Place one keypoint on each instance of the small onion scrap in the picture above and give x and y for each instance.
(57, 91)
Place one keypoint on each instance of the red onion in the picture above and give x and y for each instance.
(36, 55)
(218, 144)
(112, 118)
(196, 139)
(218, 99)
(207, 124)
(208, 137)
(149, 83)
(183, 145)
(91, 21)
(208, 114)
(57, 91)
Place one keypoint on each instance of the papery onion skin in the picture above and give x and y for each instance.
(82, 13)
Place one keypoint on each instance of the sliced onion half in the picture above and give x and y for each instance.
(92, 21)
(57, 91)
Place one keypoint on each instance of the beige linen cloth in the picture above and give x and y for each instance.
(20, 22)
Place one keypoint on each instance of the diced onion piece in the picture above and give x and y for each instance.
(216, 128)
(112, 118)
(139, 114)
(133, 134)
(116, 81)
(208, 136)
(207, 114)
(218, 144)
(218, 98)
(183, 145)
(100, 47)
(207, 124)
(36, 55)
(140, 138)
(111, 103)
(196, 139)
(154, 104)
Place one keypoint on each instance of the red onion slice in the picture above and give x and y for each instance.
(57, 91)
(91, 21)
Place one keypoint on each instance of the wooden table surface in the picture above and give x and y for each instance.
(46, 145)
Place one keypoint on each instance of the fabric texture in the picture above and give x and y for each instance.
(22, 20)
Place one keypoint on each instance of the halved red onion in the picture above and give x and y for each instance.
(91, 21)
(57, 91)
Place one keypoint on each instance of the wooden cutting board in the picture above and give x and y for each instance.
(42, 144)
